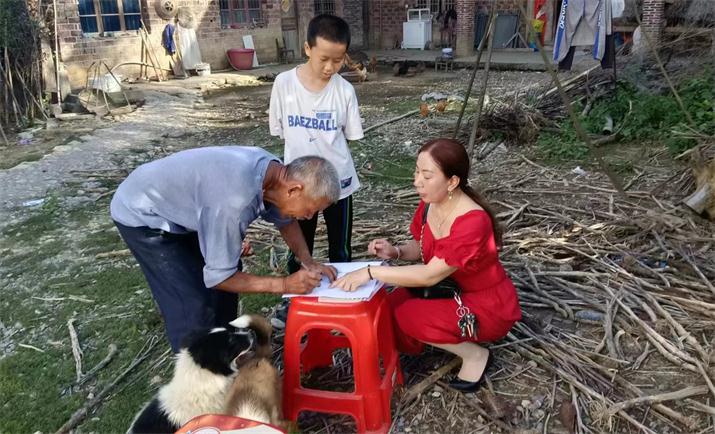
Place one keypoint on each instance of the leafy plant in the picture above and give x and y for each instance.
(561, 147)
(645, 117)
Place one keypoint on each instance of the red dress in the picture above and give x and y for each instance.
(486, 288)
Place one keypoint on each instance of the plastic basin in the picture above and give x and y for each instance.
(240, 58)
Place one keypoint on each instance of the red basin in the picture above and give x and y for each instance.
(240, 58)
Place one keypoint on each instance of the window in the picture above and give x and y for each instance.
(97, 16)
(432, 5)
(239, 12)
(324, 7)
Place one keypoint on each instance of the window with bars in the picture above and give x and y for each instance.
(432, 5)
(324, 7)
(239, 12)
(98, 16)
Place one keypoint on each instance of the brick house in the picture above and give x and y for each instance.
(386, 18)
(91, 30)
(106, 30)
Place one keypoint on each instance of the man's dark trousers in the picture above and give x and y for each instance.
(173, 266)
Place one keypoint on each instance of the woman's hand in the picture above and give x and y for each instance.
(352, 281)
(382, 249)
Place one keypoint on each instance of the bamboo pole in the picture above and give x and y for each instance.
(152, 54)
(57, 52)
(666, 76)
(4, 137)
(11, 89)
(580, 132)
(482, 44)
(32, 96)
(485, 81)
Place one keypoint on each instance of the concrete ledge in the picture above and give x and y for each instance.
(508, 59)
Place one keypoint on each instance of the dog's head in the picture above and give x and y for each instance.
(220, 350)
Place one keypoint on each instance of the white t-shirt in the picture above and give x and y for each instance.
(317, 123)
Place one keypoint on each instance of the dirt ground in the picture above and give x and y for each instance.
(63, 265)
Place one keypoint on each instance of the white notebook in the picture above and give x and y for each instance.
(364, 292)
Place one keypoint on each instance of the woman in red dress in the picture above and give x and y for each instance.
(459, 239)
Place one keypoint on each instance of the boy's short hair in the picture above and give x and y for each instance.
(330, 28)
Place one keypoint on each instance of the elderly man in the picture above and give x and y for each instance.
(184, 218)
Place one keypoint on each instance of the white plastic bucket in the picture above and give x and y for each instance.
(203, 69)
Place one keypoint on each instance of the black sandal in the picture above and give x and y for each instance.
(471, 386)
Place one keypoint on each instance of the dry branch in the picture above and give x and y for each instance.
(79, 415)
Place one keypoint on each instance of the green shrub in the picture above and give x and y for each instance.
(653, 117)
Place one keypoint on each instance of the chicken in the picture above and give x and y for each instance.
(372, 66)
(420, 67)
(424, 109)
(362, 74)
(353, 71)
(441, 105)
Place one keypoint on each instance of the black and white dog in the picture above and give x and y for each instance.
(204, 370)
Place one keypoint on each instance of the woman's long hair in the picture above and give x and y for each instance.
(452, 158)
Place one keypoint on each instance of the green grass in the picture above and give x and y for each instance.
(388, 165)
(402, 104)
(646, 117)
(50, 275)
(32, 382)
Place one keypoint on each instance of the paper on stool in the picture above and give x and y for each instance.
(364, 292)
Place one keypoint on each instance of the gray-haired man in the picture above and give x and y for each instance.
(184, 218)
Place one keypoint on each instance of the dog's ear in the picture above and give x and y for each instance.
(191, 337)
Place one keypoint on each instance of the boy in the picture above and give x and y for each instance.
(315, 111)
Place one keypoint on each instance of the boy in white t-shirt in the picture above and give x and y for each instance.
(315, 111)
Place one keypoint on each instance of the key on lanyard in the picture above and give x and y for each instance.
(466, 320)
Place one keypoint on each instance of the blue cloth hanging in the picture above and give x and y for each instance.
(167, 39)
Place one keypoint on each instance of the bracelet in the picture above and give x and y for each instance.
(369, 273)
(399, 253)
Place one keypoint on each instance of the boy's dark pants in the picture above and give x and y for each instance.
(339, 221)
(173, 266)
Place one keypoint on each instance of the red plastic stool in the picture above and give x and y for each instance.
(367, 330)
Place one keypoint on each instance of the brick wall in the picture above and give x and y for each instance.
(78, 51)
(483, 6)
(653, 18)
(386, 18)
(352, 13)
(466, 9)
(306, 11)
(349, 10)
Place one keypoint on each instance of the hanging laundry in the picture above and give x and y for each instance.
(584, 23)
(188, 47)
(167, 39)
(617, 7)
